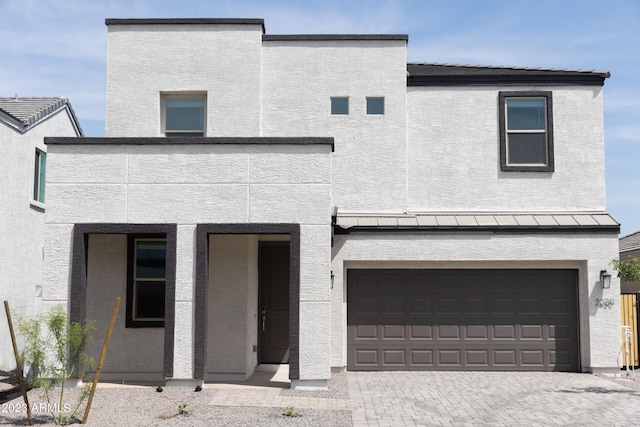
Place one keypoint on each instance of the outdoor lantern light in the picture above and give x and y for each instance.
(605, 279)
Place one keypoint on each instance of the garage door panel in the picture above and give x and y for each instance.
(462, 320)
(393, 332)
(477, 332)
(420, 332)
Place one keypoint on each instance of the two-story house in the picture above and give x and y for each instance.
(315, 200)
(24, 122)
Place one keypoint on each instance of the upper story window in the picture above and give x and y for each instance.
(147, 279)
(375, 105)
(184, 115)
(39, 176)
(526, 131)
(339, 105)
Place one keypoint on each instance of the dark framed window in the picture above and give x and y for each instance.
(339, 105)
(375, 105)
(184, 114)
(147, 256)
(39, 176)
(526, 131)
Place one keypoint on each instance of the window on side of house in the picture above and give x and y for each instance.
(339, 105)
(184, 115)
(39, 176)
(147, 279)
(375, 105)
(526, 131)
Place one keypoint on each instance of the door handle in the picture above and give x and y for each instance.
(264, 318)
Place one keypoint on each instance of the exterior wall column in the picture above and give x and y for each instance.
(184, 309)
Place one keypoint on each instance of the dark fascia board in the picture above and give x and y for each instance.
(613, 229)
(185, 21)
(192, 141)
(329, 37)
(524, 79)
(428, 74)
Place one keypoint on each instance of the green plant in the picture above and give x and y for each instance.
(54, 352)
(290, 411)
(182, 409)
(628, 270)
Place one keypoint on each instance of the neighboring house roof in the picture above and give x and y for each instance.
(24, 113)
(434, 74)
(495, 222)
(630, 242)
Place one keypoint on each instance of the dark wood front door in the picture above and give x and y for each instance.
(273, 310)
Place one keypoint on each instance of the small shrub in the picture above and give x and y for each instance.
(182, 409)
(54, 353)
(628, 271)
(290, 411)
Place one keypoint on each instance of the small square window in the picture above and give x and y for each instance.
(184, 115)
(526, 131)
(375, 105)
(39, 176)
(339, 105)
(146, 289)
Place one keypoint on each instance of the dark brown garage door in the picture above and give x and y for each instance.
(504, 320)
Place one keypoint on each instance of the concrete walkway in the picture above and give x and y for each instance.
(458, 399)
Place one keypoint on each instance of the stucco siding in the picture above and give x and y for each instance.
(454, 153)
(599, 337)
(300, 77)
(141, 192)
(223, 61)
(131, 350)
(22, 222)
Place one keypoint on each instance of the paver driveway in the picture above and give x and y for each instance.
(490, 398)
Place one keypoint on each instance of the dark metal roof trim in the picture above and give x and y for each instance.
(614, 229)
(431, 74)
(328, 37)
(193, 141)
(186, 21)
(182, 21)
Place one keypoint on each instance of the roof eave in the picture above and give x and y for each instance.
(492, 80)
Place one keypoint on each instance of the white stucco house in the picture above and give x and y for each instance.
(24, 122)
(316, 200)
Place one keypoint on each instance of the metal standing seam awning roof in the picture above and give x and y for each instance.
(498, 222)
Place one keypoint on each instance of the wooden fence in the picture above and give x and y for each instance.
(629, 312)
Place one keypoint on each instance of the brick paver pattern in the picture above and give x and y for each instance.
(465, 399)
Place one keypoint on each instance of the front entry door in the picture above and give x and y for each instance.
(273, 311)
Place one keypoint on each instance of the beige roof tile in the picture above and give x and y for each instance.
(427, 220)
(446, 220)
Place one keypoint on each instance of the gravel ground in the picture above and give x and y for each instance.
(143, 406)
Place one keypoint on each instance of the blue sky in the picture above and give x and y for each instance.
(58, 48)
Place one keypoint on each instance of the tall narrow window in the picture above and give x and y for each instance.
(146, 290)
(39, 176)
(526, 131)
(184, 115)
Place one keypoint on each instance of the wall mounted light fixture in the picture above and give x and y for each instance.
(605, 279)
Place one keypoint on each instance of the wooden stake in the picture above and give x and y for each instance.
(104, 352)
(18, 364)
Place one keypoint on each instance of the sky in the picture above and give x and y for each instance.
(58, 48)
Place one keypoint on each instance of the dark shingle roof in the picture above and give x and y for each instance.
(630, 242)
(433, 74)
(24, 113)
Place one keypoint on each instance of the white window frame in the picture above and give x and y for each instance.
(183, 95)
(39, 176)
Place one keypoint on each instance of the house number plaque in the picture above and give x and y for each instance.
(604, 302)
